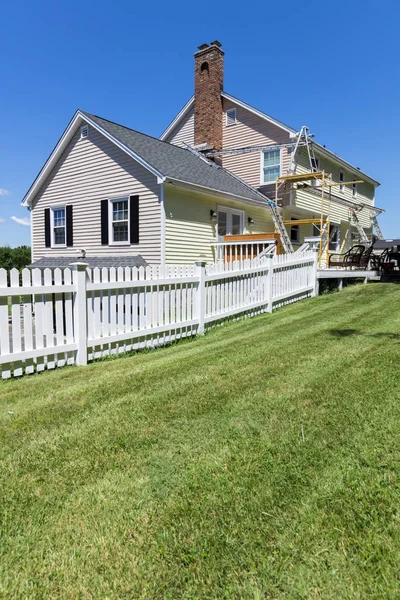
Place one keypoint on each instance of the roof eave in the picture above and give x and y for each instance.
(345, 164)
(220, 194)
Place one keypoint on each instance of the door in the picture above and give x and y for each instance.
(229, 222)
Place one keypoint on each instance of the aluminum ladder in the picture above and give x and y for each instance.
(377, 228)
(363, 235)
(280, 227)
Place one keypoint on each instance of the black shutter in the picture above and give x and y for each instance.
(70, 240)
(104, 222)
(47, 235)
(134, 219)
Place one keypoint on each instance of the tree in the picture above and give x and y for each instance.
(14, 258)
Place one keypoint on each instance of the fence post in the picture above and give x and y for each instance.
(200, 306)
(80, 311)
(270, 274)
(315, 291)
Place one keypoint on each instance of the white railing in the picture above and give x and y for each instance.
(56, 317)
(229, 252)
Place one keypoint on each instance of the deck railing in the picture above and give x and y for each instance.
(239, 251)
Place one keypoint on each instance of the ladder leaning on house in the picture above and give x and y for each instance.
(276, 216)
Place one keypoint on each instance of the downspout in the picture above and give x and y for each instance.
(162, 206)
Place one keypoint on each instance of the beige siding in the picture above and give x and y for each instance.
(189, 232)
(250, 130)
(310, 202)
(89, 171)
(183, 133)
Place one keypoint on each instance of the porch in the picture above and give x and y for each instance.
(238, 248)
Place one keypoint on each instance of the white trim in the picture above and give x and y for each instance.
(110, 221)
(342, 187)
(178, 117)
(83, 127)
(233, 118)
(293, 218)
(258, 113)
(68, 134)
(279, 124)
(162, 207)
(217, 193)
(230, 211)
(262, 182)
(52, 242)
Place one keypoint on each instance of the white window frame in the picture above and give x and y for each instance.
(336, 248)
(295, 218)
(262, 182)
(316, 168)
(110, 221)
(341, 174)
(52, 236)
(354, 190)
(230, 110)
(84, 127)
(230, 211)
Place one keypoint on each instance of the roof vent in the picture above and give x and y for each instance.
(84, 131)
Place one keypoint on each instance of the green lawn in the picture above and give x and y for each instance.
(260, 461)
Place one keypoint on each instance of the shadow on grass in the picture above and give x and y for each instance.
(351, 332)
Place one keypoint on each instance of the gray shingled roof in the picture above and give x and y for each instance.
(61, 262)
(175, 162)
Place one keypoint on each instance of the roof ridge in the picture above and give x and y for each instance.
(190, 151)
(130, 129)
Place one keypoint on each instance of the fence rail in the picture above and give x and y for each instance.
(51, 318)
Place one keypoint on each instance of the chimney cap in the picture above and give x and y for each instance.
(202, 46)
(216, 43)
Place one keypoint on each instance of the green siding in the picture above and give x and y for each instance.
(189, 232)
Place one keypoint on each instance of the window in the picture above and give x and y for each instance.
(271, 165)
(341, 179)
(294, 231)
(229, 222)
(231, 117)
(58, 226)
(316, 229)
(334, 237)
(315, 168)
(354, 190)
(119, 220)
(84, 131)
(315, 164)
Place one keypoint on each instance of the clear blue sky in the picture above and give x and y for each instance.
(333, 66)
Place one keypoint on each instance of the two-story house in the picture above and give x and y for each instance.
(121, 197)
(214, 119)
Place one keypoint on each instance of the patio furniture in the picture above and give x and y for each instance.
(350, 259)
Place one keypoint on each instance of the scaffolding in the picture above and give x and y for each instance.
(315, 181)
(286, 184)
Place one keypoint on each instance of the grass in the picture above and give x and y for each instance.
(260, 461)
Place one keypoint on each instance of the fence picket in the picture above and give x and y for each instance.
(128, 308)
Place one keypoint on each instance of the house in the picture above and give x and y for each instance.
(239, 136)
(117, 196)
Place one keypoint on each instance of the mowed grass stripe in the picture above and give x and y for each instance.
(258, 461)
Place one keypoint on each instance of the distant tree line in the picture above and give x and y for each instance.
(15, 258)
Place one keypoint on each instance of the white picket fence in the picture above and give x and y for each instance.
(75, 315)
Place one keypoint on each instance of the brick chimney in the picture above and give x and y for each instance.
(208, 85)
